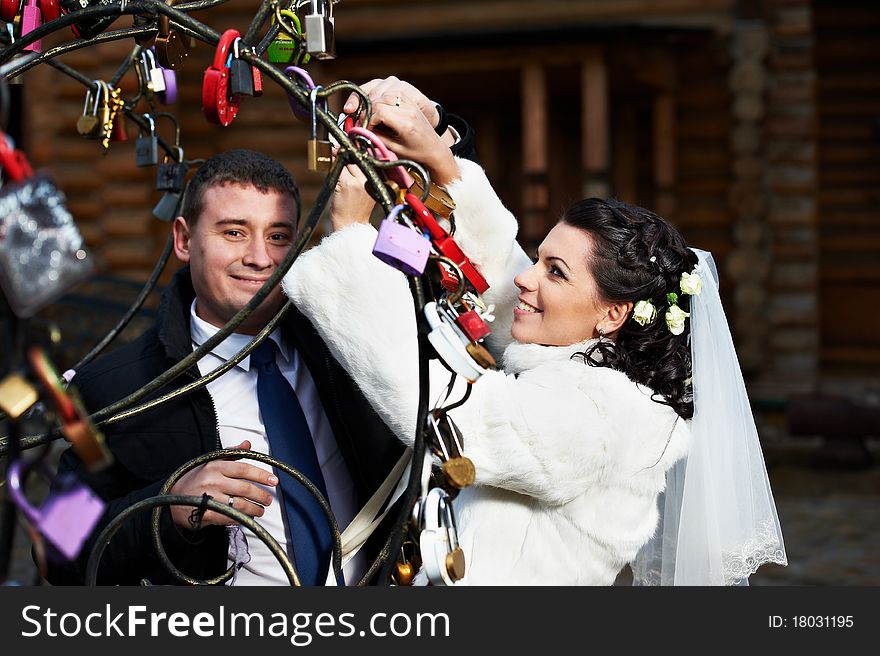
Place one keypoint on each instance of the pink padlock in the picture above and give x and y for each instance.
(31, 19)
(400, 246)
(67, 517)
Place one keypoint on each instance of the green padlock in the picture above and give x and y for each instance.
(283, 49)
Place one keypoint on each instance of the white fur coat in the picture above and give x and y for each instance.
(570, 458)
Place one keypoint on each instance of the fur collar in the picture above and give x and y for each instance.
(519, 357)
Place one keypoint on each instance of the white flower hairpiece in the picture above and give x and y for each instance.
(645, 313)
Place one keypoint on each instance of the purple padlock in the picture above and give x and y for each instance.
(301, 112)
(67, 517)
(400, 246)
(169, 96)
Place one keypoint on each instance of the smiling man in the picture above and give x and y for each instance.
(238, 221)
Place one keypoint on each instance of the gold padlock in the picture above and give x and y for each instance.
(405, 573)
(479, 353)
(459, 472)
(455, 564)
(17, 395)
(439, 201)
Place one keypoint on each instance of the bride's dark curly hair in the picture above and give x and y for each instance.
(638, 256)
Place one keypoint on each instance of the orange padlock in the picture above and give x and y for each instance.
(218, 105)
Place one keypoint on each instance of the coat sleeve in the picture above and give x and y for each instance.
(364, 311)
(486, 232)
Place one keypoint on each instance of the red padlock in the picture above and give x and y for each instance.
(13, 162)
(50, 10)
(9, 9)
(444, 243)
(218, 105)
(258, 82)
(119, 132)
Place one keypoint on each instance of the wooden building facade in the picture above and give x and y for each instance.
(753, 125)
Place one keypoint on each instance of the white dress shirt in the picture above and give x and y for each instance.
(238, 416)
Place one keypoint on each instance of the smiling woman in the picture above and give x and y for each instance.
(559, 302)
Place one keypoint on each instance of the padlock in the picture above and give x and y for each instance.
(442, 557)
(405, 573)
(469, 322)
(89, 124)
(218, 105)
(9, 9)
(119, 132)
(396, 174)
(68, 515)
(457, 469)
(444, 243)
(17, 395)
(171, 175)
(300, 111)
(171, 47)
(320, 30)
(284, 49)
(88, 27)
(169, 96)
(448, 345)
(50, 10)
(155, 81)
(319, 150)
(241, 75)
(146, 148)
(168, 207)
(401, 246)
(31, 19)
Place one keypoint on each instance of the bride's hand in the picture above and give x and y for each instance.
(405, 119)
(350, 202)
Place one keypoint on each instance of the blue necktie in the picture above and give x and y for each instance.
(309, 539)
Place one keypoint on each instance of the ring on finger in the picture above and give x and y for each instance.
(231, 502)
(397, 101)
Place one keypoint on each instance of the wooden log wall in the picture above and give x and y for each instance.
(848, 89)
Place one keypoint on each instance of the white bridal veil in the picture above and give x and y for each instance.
(718, 521)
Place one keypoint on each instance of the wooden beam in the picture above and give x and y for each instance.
(664, 153)
(595, 123)
(536, 194)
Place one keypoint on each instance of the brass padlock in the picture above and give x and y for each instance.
(319, 149)
(455, 564)
(459, 472)
(89, 124)
(438, 201)
(17, 395)
(479, 353)
(405, 573)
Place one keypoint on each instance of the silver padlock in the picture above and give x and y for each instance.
(155, 76)
(320, 30)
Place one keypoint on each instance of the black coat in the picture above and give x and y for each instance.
(149, 447)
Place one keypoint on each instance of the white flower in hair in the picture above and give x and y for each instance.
(644, 312)
(691, 283)
(675, 317)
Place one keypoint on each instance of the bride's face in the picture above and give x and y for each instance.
(559, 301)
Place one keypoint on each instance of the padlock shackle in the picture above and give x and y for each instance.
(281, 14)
(221, 54)
(425, 217)
(397, 173)
(14, 477)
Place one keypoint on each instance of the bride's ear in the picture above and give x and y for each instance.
(615, 316)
